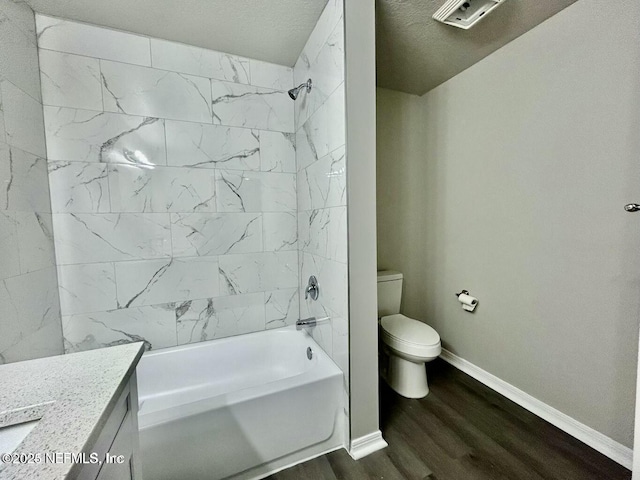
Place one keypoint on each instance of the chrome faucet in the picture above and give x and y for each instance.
(310, 322)
(306, 323)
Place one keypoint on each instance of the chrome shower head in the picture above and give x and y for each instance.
(294, 92)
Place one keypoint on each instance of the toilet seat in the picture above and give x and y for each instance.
(410, 336)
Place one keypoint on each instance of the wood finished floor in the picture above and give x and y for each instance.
(462, 431)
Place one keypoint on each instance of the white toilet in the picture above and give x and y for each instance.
(408, 343)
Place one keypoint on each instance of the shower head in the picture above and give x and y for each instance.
(294, 92)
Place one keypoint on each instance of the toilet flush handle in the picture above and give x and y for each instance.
(632, 207)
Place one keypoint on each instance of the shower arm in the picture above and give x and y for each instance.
(308, 85)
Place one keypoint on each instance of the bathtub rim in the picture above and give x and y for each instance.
(196, 345)
(324, 368)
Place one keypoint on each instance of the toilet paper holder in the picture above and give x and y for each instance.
(468, 302)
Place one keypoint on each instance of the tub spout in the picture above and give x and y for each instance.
(306, 323)
(310, 322)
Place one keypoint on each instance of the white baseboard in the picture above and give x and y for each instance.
(596, 440)
(363, 446)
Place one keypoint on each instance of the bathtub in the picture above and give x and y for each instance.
(240, 407)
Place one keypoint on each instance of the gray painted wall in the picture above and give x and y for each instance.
(361, 192)
(509, 180)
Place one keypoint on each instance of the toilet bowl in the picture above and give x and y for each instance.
(407, 343)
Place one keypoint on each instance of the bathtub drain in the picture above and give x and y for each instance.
(309, 353)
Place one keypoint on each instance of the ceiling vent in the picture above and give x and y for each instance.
(465, 13)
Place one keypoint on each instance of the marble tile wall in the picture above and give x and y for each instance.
(173, 188)
(30, 325)
(321, 182)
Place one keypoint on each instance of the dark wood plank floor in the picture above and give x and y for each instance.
(463, 431)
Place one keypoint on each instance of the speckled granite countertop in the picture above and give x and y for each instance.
(72, 395)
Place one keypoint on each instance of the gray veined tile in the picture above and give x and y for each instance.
(282, 307)
(340, 347)
(271, 75)
(3, 132)
(155, 93)
(79, 187)
(23, 120)
(280, 231)
(182, 58)
(154, 325)
(323, 132)
(202, 320)
(104, 237)
(324, 233)
(332, 278)
(43, 341)
(30, 324)
(161, 189)
(86, 136)
(10, 257)
(258, 272)
(19, 54)
(327, 72)
(331, 15)
(150, 282)
(309, 308)
(212, 146)
(323, 335)
(323, 184)
(323, 332)
(203, 234)
(70, 80)
(23, 181)
(87, 288)
(92, 41)
(35, 237)
(21, 16)
(252, 107)
(277, 152)
(255, 191)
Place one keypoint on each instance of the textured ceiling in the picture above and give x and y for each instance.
(415, 53)
(273, 31)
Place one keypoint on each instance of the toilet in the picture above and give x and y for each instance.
(407, 343)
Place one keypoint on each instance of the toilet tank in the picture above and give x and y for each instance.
(389, 292)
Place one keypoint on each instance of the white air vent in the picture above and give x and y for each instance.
(465, 13)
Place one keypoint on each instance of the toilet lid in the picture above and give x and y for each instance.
(409, 330)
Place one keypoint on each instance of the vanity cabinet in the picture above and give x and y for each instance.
(118, 439)
(83, 405)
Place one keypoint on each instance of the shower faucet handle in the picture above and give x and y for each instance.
(312, 290)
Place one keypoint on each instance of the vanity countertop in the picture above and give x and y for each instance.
(72, 395)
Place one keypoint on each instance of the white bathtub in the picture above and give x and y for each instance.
(239, 407)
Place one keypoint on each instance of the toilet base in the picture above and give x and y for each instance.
(407, 378)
